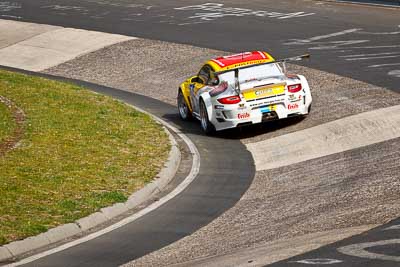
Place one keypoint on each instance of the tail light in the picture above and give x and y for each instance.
(229, 100)
(294, 88)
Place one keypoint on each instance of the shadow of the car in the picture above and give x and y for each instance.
(258, 129)
(193, 127)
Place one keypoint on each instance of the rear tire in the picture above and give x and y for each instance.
(206, 125)
(183, 108)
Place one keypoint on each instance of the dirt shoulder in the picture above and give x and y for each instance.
(13, 125)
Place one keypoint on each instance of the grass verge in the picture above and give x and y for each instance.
(80, 152)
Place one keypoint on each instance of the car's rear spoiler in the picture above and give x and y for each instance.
(297, 58)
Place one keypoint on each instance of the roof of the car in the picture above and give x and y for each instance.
(239, 60)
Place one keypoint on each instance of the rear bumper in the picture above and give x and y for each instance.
(233, 117)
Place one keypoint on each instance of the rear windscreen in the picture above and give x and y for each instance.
(259, 72)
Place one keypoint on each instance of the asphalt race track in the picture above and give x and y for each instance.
(342, 38)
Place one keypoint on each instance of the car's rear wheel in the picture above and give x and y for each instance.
(206, 125)
(183, 108)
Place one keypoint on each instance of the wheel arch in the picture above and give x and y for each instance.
(205, 97)
(186, 96)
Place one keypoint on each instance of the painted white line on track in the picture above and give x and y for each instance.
(373, 47)
(359, 250)
(369, 58)
(372, 55)
(394, 73)
(321, 37)
(318, 261)
(182, 186)
(10, 16)
(384, 65)
(332, 45)
(393, 227)
(380, 33)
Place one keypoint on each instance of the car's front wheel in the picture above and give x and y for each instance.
(206, 125)
(183, 108)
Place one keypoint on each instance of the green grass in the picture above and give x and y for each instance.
(7, 123)
(80, 151)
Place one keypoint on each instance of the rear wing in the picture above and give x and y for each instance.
(290, 59)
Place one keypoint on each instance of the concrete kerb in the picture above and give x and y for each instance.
(333, 137)
(62, 232)
(41, 46)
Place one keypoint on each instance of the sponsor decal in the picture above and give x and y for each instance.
(233, 66)
(293, 106)
(242, 59)
(268, 102)
(268, 109)
(293, 98)
(264, 92)
(242, 116)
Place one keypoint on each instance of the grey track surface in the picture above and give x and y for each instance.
(353, 188)
(294, 193)
(159, 19)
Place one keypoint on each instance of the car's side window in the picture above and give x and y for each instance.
(214, 79)
(205, 73)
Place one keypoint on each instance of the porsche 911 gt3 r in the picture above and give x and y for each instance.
(243, 89)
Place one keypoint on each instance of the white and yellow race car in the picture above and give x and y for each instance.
(243, 89)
